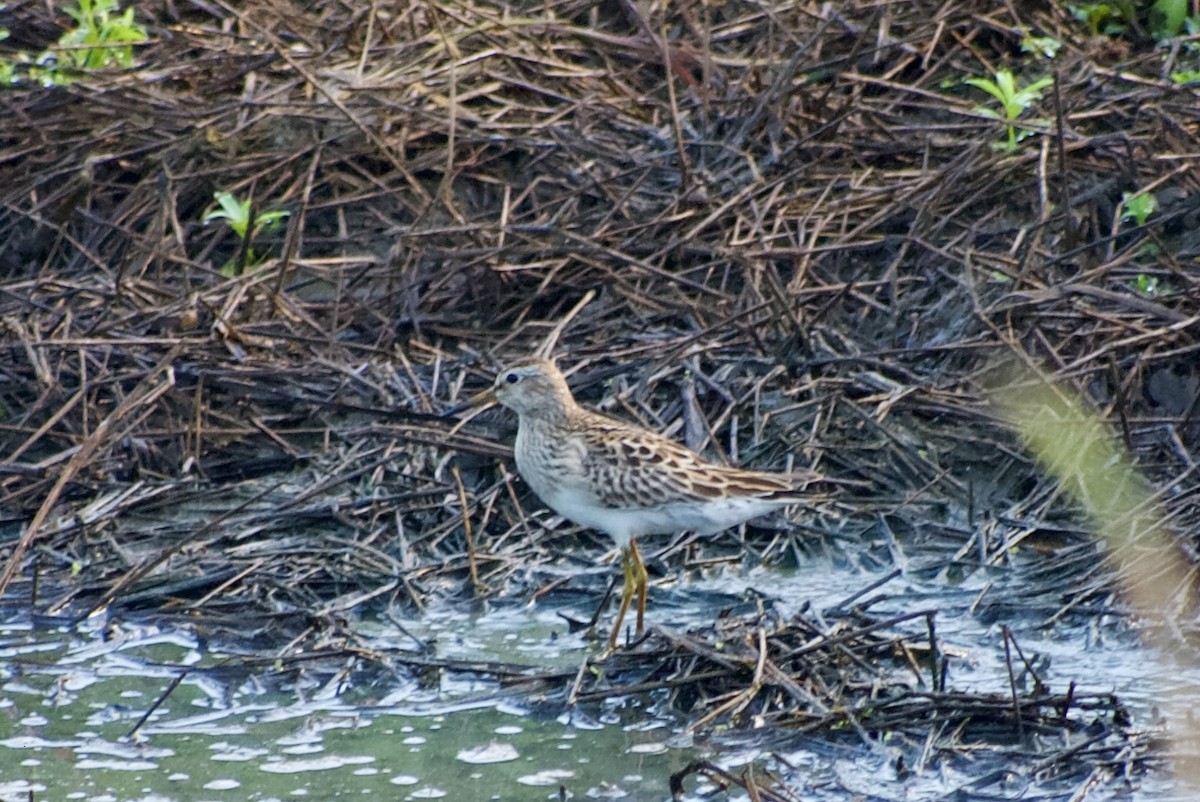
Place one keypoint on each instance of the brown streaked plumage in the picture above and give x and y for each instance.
(623, 479)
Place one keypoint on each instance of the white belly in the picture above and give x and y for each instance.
(624, 524)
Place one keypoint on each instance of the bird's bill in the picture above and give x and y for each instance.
(482, 400)
(479, 401)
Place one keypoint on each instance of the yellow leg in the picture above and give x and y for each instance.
(640, 578)
(626, 596)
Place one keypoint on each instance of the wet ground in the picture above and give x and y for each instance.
(70, 699)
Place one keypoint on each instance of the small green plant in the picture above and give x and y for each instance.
(1184, 77)
(7, 70)
(1148, 286)
(1107, 19)
(1046, 46)
(1013, 102)
(1162, 19)
(103, 36)
(1137, 206)
(1167, 18)
(239, 215)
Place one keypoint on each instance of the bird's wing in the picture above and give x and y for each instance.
(631, 468)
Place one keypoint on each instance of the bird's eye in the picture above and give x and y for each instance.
(512, 378)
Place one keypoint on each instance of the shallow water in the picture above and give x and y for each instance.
(69, 699)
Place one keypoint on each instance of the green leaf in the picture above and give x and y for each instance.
(1138, 206)
(1047, 46)
(986, 86)
(234, 209)
(1026, 97)
(268, 220)
(1166, 18)
(236, 213)
(1147, 286)
(1008, 86)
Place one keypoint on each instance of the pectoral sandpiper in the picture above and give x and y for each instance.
(623, 479)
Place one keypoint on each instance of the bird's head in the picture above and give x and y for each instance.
(535, 387)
